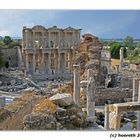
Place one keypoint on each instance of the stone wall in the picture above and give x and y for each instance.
(126, 82)
(11, 117)
(115, 95)
(10, 55)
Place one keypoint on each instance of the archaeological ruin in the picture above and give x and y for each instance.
(49, 51)
(62, 80)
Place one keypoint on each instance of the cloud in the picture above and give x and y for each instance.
(4, 33)
(14, 20)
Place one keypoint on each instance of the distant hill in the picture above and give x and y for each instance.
(117, 39)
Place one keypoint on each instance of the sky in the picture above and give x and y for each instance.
(106, 24)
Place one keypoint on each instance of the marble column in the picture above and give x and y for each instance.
(76, 94)
(89, 73)
(117, 69)
(91, 90)
(59, 39)
(117, 119)
(138, 113)
(33, 39)
(27, 62)
(49, 62)
(42, 40)
(106, 122)
(26, 31)
(121, 57)
(49, 39)
(42, 63)
(135, 89)
(69, 61)
(59, 61)
(65, 61)
(33, 63)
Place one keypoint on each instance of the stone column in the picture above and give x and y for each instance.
(69, 61)
(121, 57)
(43, 40)
(135, 89)
(33, 39)
(49, 39)
(33, 63)
(89, 74)
(91, 89)
(117, 69)
(59, 59)
(117, 119)
(65, 61)
(106, 122)
(49, 62)
(58, 38)
(138, 113)
(76, 94)
(42, 63)
(26, 31)
(27, 62)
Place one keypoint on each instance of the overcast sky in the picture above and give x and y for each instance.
(104, 24)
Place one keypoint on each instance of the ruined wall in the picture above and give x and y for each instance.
(126, 82)
(11, 117)
(115, 95)
(10, 55)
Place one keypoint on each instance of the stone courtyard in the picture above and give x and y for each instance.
(65, 82)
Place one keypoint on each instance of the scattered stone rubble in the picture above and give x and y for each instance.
(11, 116)
(47, 115)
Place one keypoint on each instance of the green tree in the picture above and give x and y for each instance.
(129, 42)
(115, 50)
(14, 43)
(7, 40)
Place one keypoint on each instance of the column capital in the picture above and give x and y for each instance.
(76, 68)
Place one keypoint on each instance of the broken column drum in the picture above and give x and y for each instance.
(91, 88)
(76, 95)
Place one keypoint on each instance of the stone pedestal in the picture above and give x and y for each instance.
(76, 94)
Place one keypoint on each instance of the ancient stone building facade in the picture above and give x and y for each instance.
(49, 51)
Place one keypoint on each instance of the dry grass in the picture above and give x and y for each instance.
(44, 106)
(114, 62)
(66, 89)
(20, 102)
